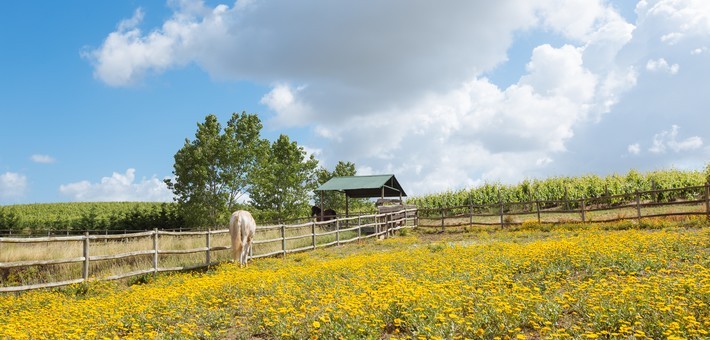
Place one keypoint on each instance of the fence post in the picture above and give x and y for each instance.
(359, 228)
(155, 250)
(470, 208)
(337, 231)
(638, 205)
(85, 270)
(500, 200)
(387, 225)
(442, 219)
(283, 239)
(313, 234)
(537, 208)
(583, 208)
(707, 200)
(207, 243)
(470, 215)
(653, 191)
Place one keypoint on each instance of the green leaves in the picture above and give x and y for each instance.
(213, 171)
(561, 188)
(283, 179)
(8, 219)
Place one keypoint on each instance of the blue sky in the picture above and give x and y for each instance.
(96, 98)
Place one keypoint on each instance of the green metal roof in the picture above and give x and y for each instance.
(365, 186)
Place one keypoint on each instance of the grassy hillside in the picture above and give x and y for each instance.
(566, 282)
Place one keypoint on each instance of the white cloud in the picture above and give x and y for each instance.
(669, 140)
(289, 109)
(44, 159)
(12, 185)
(661, 65)
(543, 161)
(315, 152)
(676, 20)
(699, 50)
(127, 54)
(283, 41)
(406, 93)
(634, 149)
(118, 187)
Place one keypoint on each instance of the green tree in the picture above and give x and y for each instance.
(213, 171)
(283, 180)
(8, 219)
(331, 199)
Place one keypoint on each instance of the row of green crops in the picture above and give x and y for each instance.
(78, 216)
(572, 188)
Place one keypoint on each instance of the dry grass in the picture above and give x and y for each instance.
(554, 216)
(43, 251)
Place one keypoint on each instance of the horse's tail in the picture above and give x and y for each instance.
(235, 234)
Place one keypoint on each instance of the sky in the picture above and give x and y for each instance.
(97, 97)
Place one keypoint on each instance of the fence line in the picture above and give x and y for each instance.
(378, 225)
(596, 209)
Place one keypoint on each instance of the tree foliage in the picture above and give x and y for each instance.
(213, 171)
(283, 180)
(8, 219)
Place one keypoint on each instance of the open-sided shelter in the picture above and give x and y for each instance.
(363, 187)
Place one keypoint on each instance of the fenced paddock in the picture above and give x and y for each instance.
(45, 262)
(688, 201)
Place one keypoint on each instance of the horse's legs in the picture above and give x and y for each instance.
(248, 251)
(245, 251)
(236, 251)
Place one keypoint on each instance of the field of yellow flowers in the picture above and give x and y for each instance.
(563, 282)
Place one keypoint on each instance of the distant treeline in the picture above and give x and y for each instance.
(570, 188)
(79, 216)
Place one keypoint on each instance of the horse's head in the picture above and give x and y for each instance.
(315, 211)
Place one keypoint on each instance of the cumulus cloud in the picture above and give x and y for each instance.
(12, 185)
(699, 50)
(661, 65)
(634, 149)
(665, 140)
(118, 187)
(290, 111)
(677, 20)
(44, 159)
(406, 92)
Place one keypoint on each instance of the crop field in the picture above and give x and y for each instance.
(619, 280)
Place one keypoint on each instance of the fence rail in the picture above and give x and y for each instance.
(367, 226)
(637, 205)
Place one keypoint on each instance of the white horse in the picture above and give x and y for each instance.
(242, 228)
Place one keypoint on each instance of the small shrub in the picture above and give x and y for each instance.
(436, 247)
(509, 220)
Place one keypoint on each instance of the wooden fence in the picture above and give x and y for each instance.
(290, 239)
(638, 205)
